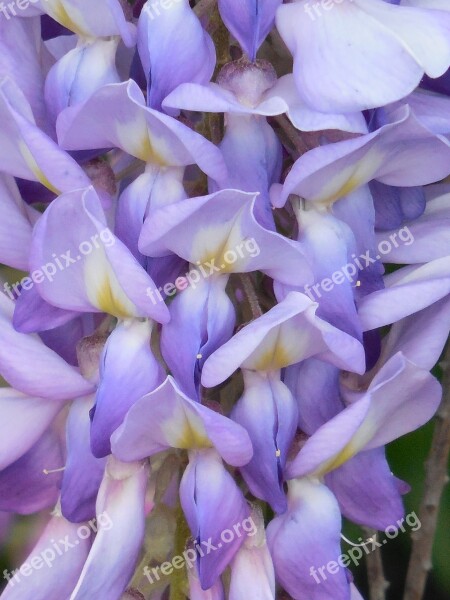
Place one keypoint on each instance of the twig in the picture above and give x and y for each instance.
(375, 573)
(293, 135)
(435, 480)
(251, 295)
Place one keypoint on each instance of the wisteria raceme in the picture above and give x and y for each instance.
(225, 281)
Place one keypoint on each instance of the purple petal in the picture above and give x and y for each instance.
(220, 233)
(23, 422)
(121, 518)
(128, 370)
(29, 153)
(92, 268)
(83, 473)
(142, 132)
(269, 413)
(174, 49)
(204, 317)
(328, 173)
(288, 333)
(57, 576)
(367, 492)
(28, 365)
(407, 291)
(212, 503)
(178, 422)
(249, 21)
(332, 49)
(15, 226)
(306, 538)
(24, 486)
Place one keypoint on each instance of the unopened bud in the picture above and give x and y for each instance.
(89, 350)
(248, 81)
(101, 174)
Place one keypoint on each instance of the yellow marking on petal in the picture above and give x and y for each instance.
(57, 10)
(277, 350)
(278, 453)
(344, 455)
(103, 289)
(273, 359)
(185, 430)
(136, 139)
(350, 178)
(360, 439)
(35, 169)
(109, 303)
(199, 356)
(215, 241)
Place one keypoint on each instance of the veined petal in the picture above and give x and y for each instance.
(142, 132)
(28, 485)
(23, 421)
(204, 317)
(128, 370)
(57, 576)
(249, 21)
(333, 48)
(267, 410)
(29, 153)
(424, 239)
(288, 333)
(100, 272)
(79, 73)
(121, 519)
(400, 399)
(83, 473)
(421, 337)
(178, 422)
(105, 19)
(253, 155)
(367, 491)
(306, 537)
(407, 291)
(32, 313)
(221, 231)
(282, 98)
(174, 49)
(15, 226)
(31, 367)
(24, 67)
(212, 503)
(401, 153)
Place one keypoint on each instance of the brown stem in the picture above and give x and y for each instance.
(252, 297)
(435, 480)
(293, 135)
(375, 573)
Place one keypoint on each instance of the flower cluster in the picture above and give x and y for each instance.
(265, 147)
